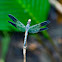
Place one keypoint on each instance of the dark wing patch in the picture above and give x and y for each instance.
(43, 29)
(12, 17)
(12, 23)
(45, 23)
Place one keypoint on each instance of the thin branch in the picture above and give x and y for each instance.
(24, 53)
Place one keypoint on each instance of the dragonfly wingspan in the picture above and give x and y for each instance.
(36, 28)
(17, 23)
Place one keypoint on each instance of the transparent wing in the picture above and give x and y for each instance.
(17, 23)
(36, 28)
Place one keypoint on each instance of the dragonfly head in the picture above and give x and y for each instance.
(29, 21)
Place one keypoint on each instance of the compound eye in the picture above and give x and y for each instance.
(29, 20)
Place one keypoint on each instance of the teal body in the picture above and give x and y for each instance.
(26, 33)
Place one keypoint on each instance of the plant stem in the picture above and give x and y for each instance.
(24, 53)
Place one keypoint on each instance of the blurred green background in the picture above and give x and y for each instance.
(37, 10)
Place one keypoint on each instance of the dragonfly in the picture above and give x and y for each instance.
(31, 29)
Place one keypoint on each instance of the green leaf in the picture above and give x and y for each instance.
(37, 10)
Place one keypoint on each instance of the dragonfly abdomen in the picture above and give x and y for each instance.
(26, 33)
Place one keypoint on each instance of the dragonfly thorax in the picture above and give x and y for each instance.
(27, 27)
